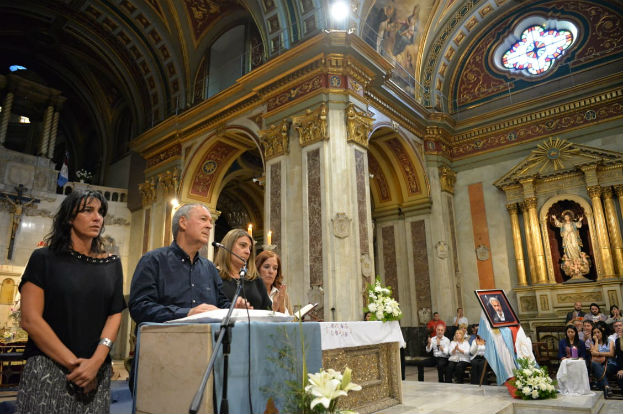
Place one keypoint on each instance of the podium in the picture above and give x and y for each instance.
(171, 360)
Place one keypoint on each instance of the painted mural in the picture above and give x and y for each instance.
(394, 28)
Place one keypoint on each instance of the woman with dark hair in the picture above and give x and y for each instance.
(571, 346)
(229, 266)
(601, 350)
(269, 267)
(72, 298)
(614, 316)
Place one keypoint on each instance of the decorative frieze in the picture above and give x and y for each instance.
(312, 127)
(275, 140)
(359, 125)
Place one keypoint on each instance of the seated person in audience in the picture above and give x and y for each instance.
(477, 359)
(459, 319)
(459, 358)
(617, 359)
(473, 330)
(439, 344)
(588, 327)
(432, 325)
(614, 316)
(576, 313)
(571, 346)
(578, 324)
(594, 314)
(229, 266)
(617, 331)
(269, 267)
(601, 350)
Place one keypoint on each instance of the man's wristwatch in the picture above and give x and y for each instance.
(106, 342)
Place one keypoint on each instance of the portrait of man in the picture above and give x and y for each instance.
(497, 308)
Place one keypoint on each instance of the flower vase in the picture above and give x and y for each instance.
(511, 387)
(82, 180)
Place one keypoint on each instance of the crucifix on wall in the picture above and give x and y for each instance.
(18, 202)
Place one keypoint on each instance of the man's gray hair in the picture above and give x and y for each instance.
(182, 212)
(492, 299)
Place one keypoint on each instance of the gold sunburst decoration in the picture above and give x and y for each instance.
(551, 153)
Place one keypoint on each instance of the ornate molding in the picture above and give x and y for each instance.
(618, 190)
(447, 179)
(531, 202)
(168, 182)
(275, 140)
(512, 208)
(148, 192)
(607, 193)
(312, 127)
(359, 125)
(164, 155)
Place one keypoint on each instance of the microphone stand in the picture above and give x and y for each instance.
(225, 339)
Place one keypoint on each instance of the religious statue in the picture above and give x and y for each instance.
(575, 262)
(18, 210)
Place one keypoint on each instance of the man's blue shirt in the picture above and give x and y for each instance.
(167, 284)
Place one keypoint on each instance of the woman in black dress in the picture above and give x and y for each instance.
(72, 298)
(253, 290)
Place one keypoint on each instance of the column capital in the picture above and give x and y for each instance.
(447, 179)
(275, 140)
(312, 127)
(512, 208)
(594, 191)
(359, 125)
(607, 192)
(531, 202)
(618, 190)
(148, 192)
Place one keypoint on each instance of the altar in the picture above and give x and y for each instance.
(171, 359)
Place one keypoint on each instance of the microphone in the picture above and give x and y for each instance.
(218, 245)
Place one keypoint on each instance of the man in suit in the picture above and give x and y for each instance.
(498, 314)
(576, 313)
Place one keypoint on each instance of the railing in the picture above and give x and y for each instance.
(111, 194)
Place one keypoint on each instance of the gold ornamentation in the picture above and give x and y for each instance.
(580, 297)
(618, 190)
(512, 208)
(531, 203)
(148, 192)
(168, 182)
(594, 191)
(312, 126)
(275, 140)
(447, 179)
(607, 193)
(359, 125)
(551, 154)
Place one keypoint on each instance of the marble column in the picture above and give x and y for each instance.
(538, 247)
(601, 230)
(6, 114)
(517, 241)
(53, 133)
(529, 242)
(614, 228)
(45, 136)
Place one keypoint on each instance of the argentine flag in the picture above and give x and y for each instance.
(63, 174)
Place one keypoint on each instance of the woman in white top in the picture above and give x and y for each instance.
(459, 358)
(477, 359)
(270, 269)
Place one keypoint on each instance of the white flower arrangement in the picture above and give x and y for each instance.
(381, 305)
(84, 175)
(326, 386)
(533, 383)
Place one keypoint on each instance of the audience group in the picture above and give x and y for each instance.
(592, 336)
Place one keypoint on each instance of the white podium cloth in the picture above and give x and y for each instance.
(572, 377)
(349, 334)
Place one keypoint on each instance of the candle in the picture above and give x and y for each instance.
(269, 237)
(574, 352)
(250, 229)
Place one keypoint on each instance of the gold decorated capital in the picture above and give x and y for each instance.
(447, 179)
(168, 182)
(148, 192)
(275, 140)
(359, 125)
(512, 208)
(607, 193)
(312, 127)
(594, 191)
(618, 190)
(530, 202)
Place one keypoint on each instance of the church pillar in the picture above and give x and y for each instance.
(618, 191)
(614, 228)
(45, 136)
(529, 241)
(538, 248)
(6, 114)
(517, 241)
(53, 133)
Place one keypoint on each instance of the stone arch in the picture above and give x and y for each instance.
(543, 219)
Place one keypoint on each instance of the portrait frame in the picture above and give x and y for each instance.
(510, 317)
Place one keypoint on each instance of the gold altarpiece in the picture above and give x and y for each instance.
(563, 202)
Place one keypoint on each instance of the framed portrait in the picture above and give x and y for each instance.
(497, 308)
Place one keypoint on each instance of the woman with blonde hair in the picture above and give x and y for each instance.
(229, 266)
(269, 267)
